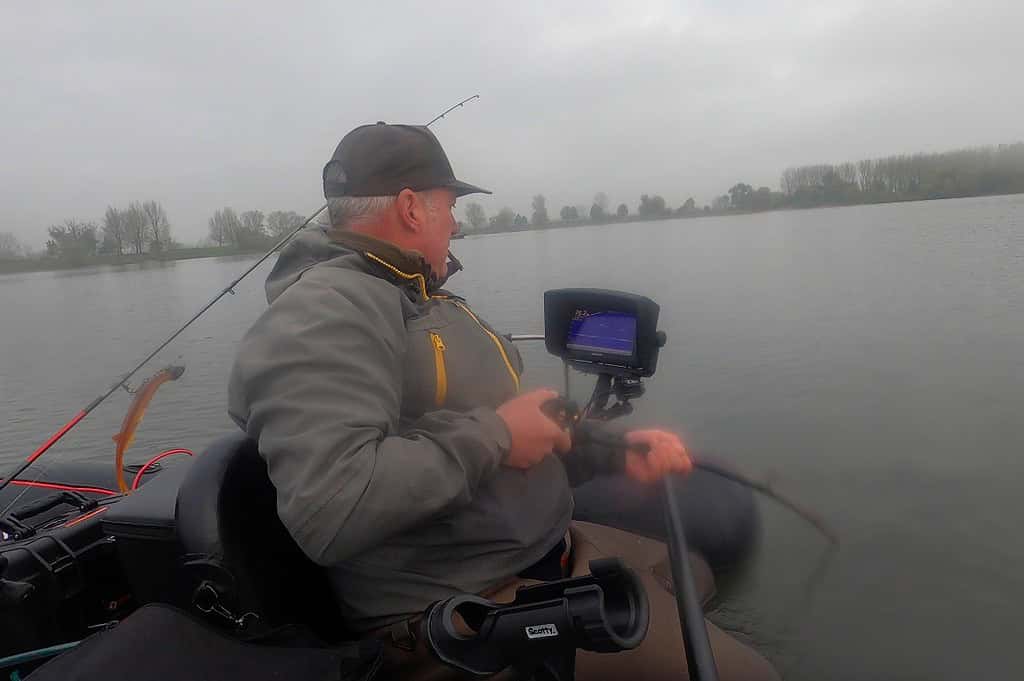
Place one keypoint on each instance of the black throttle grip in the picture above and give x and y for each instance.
(601, 453)
(639, 448)
(595, 449)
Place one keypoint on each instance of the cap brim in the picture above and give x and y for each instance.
(462, 188)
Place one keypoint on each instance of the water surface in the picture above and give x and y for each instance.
(870, 358)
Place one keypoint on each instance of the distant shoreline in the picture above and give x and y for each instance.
(614, 219)
(44, 264)
(27, 265)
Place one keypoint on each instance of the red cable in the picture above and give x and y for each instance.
(84, 489)
(67, 488)
(83, 518)
(161, 455)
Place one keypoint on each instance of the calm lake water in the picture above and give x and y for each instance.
(871, 359)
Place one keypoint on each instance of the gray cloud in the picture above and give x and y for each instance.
(204, 107)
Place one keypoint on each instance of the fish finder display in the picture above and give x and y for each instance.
(602, 331)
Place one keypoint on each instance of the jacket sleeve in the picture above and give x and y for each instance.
(320, 377)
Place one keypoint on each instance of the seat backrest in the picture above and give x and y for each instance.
(241, 566)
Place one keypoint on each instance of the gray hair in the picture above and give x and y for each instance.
(344, 210)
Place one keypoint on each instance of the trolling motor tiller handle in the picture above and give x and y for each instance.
(538, 633)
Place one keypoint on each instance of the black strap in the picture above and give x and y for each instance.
(548, 568)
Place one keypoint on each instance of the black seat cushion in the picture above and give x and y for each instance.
(236, 545)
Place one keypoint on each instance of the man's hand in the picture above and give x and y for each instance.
(534, 434)
(667, 455)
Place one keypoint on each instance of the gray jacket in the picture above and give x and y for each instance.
(373, 400)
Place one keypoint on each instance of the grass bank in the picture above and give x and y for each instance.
(46, 264)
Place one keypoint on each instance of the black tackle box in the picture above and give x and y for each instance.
(58, 582)
(147, 545)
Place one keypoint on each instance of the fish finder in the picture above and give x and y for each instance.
(599, 331)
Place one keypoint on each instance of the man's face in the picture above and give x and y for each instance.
(439, 227)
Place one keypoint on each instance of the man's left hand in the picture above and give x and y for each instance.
(667, 455)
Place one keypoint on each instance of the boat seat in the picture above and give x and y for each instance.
(241, 567)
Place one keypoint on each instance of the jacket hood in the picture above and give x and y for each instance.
(349, 250)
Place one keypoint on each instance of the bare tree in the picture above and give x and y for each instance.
(10, 247)
(651, 206)
(540, 210)
(505, 218)
(158, 228)
(251, 231)
(788, 181)
(847, 172)
(232, 226)
(225, 227)
(135, 227)
(476, 215)
(252, 221)
(73, 242)
(866, 174)
(217, 232)
(114, 236)
(601, 201)
(280, 223)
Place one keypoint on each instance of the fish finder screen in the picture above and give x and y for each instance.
(603, 331)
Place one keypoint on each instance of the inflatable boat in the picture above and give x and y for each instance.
(188, 548)
(201, 532)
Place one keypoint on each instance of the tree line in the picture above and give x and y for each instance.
(251, 229)
(649, 207)
(141, 228)
(144, 228)
(982, 171)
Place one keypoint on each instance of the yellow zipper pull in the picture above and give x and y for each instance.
(442, 372)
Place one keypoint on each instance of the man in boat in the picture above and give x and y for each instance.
(406, 460)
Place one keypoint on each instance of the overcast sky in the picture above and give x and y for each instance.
(241, 105)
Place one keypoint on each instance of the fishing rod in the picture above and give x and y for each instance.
(230, 288)
(729, 472)
(700, 660)
(766, 488)
(450, 109)
(572, 414)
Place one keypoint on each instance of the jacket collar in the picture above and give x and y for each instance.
(404, 265)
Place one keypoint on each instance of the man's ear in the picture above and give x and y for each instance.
(412, 210)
